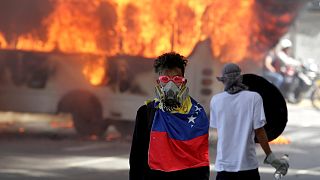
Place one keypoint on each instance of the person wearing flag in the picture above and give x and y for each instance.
(238, 116)
(170, 139)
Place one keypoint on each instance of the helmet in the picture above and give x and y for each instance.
(285, 43)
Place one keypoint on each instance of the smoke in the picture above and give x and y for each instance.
(274, 18)
(22, 16)
(107, 16)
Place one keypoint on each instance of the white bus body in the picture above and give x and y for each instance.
(54, 82)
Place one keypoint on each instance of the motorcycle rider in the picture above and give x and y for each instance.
(270, 70)
(284, 57)
(277, 63)
(286, 62)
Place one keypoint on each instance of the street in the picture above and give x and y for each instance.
(68, 157)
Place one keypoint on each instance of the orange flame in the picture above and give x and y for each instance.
(150, 28)
(62, 124)
(29, 43)
(110, 27)
(281, 140)
(3, 42)
(95, 71)
(78, 26)
(231, 40)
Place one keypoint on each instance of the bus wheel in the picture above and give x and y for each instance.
(86, 111)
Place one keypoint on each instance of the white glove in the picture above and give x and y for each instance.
(280, 164)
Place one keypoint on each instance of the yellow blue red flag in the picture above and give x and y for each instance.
(179, 141)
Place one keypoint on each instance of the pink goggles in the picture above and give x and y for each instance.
(175, 79)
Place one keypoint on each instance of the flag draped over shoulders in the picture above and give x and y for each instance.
(179, 140)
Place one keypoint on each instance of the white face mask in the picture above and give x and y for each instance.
(171, 95)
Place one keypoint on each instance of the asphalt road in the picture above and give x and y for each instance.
(52, 157)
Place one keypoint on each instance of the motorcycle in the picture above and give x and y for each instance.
(301, 81)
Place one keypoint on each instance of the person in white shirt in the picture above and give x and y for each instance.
(238, 115)
(283, 54)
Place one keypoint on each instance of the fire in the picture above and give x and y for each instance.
(281, 140)
(62, 124)
(95, 71)
(229, 25)
(146, 28)
(82, 26)
(3, 42)
(238, 30)
(28, 43)
(150, 28)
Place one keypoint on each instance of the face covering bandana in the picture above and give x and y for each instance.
(171, 96)
(232, 78)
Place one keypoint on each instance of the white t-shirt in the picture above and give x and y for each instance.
(236, 116)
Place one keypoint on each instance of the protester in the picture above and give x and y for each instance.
(170, 140)
(238, 116)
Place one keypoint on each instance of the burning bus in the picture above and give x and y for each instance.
(93, 58)
(92, 88)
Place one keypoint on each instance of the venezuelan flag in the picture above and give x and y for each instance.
(179, 141)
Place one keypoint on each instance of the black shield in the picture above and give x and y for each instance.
(274, 104)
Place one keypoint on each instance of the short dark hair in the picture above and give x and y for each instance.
(169, 61)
